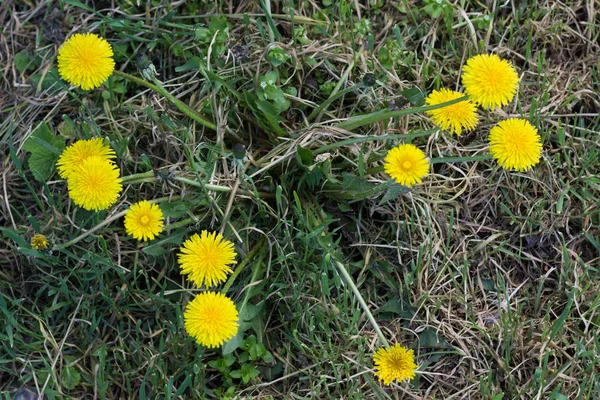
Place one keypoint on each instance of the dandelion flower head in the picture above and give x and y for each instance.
(95, 184)
(211, 318)
(515, 144)
(406, 164)
(455, 117)
(205, 258)
(490, 81)
(394, 362)
(72, 157)
(85, 61)
(39, 242)
(144, 220)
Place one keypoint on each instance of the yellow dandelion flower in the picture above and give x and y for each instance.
(85, 60)
(406, 164)
(455, 117)
(515, 144)
(144, 220)
(205, 258)
(211, 318)
(490, 81)
(394, 362)
(72, 157)
(39, 242)
(95, 184)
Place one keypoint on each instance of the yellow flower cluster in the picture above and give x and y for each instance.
(92, 176)
(489, 82)
(211, 318)
(94, 184)
(85, 61)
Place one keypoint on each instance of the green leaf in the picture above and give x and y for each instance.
(429, 338)
(305, 157)
(45, 148)
(414, 96)
(248, 372)
(23, 61)
(156, 247)
(70, 377)
(15, 236)
(397, 306)
(249, 312)
(79, 4)
(354, 188)
(175, 209)
(234, 343)
(278, 56)
(268, 357)
(393, 193)
(47, 81)
(193, 64)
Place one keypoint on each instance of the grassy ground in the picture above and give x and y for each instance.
(490, 276)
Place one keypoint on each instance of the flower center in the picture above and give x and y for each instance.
(398, 362)
(406, 164)
(144, 220)
(513, 143)
(211, 316)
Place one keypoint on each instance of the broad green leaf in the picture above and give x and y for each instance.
(414, 96)
(193, 64)
(304, 156)
(45, 148)
(23, 61)
(393, 193)
(234, 343)
(70, 377)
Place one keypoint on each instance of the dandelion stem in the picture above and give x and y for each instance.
(190, 182)
(483, 157)
(344, 272)
(362, 139)
(158, 88)
(367, 119)
(360, 299)
(181, 223)
(150, 176)
(134, 177)
(241, 265)
(331, 99)
(108, 221)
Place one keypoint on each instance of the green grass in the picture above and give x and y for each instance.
(490, 276)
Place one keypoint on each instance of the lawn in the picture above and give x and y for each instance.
(271, 125)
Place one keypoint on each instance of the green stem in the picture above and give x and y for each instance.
(241, 266)
(372, 139)
(134, 177)
(350, 282)
(440, 160)
(367, 119)
(331, 99)
(181, 223)
(361, 300)
(108, 221)
(150, 176)
(484, 157)
(158, 88)
(207, 186)
(270, 23)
